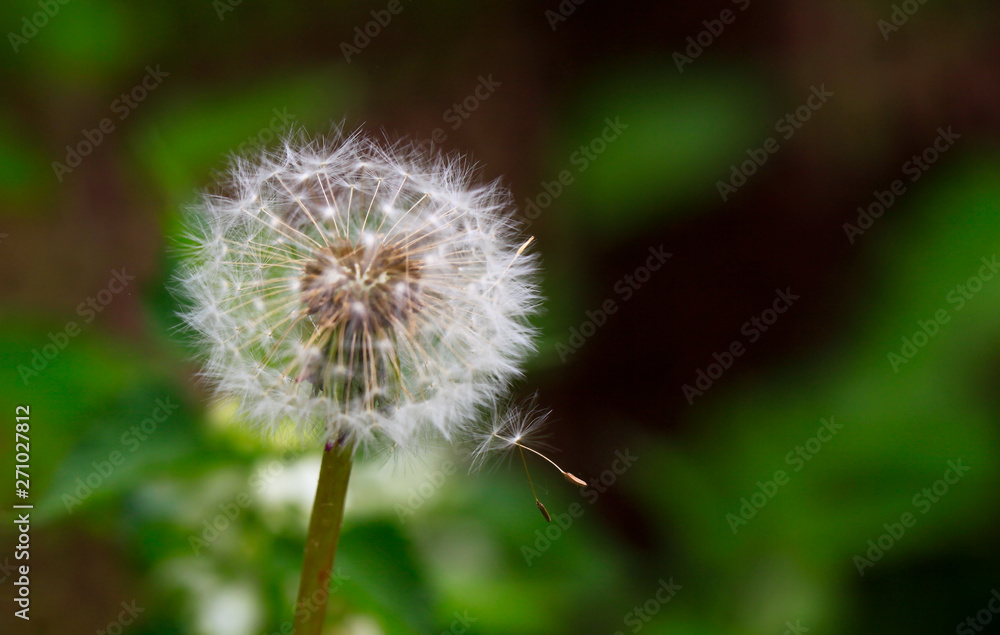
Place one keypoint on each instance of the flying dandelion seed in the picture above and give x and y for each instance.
(369, 293)
(517, 428)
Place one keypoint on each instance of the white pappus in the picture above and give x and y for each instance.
(368, 292)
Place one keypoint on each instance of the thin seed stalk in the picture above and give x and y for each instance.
(321, 542)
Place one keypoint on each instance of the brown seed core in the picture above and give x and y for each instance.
(365, 287)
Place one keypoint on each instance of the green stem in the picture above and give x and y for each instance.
(321, 543)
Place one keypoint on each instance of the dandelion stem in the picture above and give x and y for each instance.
(321, 542)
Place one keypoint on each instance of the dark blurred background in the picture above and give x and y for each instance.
(837, 474)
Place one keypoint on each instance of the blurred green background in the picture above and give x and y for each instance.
(202, 526)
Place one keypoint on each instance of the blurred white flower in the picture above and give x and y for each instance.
(366, 292)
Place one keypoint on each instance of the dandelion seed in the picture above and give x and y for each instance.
(517, 427)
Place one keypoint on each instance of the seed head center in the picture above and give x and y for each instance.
(361, 286)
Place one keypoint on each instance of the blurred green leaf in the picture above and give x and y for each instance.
(647, 141)
(384, 577)
(195, 134)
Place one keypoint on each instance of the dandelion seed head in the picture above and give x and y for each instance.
(359, 290)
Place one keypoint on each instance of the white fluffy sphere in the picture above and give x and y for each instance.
(367, 292)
